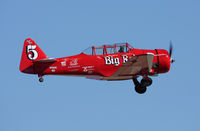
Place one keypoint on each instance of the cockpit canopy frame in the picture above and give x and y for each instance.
(108, 49)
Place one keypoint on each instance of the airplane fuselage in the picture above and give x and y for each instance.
(101, 65)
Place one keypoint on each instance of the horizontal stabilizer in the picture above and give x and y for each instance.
(50, 60)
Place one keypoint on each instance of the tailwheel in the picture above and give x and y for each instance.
(41, 79)
(141, 89)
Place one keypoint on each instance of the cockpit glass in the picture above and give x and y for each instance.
(100, 51)
(109, 49)
(88, 51)
(130, 47)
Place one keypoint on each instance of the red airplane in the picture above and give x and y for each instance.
(108, 62)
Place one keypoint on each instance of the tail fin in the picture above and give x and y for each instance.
(31, 52)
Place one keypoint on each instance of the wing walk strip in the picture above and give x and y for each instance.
(135, 65)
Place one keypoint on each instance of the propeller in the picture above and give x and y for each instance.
(170, 52)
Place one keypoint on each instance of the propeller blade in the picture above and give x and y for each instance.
(170, 49)
(170, 52)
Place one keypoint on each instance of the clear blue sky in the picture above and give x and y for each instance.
(62, 28)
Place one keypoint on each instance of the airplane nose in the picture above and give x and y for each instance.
(164, 61)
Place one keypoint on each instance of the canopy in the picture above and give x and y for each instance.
(108, 49)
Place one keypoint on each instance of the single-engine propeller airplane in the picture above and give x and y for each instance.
(108, 62)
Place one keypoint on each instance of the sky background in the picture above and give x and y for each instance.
(63, 28)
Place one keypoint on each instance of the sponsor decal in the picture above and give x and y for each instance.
(88, 69)
(74, 62)
(125, 58)
(63, 63)
(111, 60)
(53, 68)
(29, 42)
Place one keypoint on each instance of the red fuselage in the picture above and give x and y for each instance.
(100, 65)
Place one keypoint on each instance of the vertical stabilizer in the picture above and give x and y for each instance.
(31, 52)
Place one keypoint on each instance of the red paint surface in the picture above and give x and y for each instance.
(83, 64)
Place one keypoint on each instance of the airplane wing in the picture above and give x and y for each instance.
(50, 60)
(141, 64)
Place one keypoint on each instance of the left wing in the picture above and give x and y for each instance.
(141, 64)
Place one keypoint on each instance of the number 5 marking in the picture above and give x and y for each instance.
(34, 55)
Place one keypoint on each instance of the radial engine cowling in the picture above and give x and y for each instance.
(163, 60)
